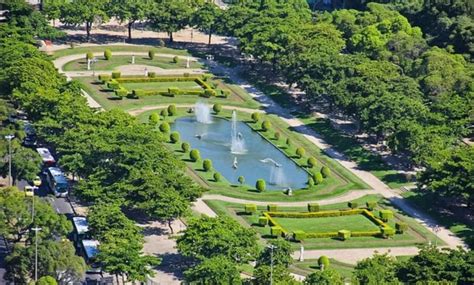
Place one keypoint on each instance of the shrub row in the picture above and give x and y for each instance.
(156, 79)
(373, 218)
(335, 213)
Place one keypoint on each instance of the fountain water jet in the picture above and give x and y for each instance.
(277, 176)
(202, 113)
(237, 140)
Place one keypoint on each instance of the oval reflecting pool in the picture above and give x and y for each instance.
(236, 150)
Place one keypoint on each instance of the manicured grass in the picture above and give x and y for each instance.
(327, 224)
(119, 60)
(311, 265)
(161, 85)
(131, 48)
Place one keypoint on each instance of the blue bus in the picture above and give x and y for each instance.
(57, 181)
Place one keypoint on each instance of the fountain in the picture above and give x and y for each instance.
(277, 176)
(202, 113)
(237, 140)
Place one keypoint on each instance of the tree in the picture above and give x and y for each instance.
(325, 277)
(169, 16)
(88, 12)
(281, 254)
(215, 270)
(104, 217)
(206, 18)
(15, 217)
(280, 274)
(72, 163)
(129, 11)
(52, 9)
(46, 280)
(379, 269)
(222, 236)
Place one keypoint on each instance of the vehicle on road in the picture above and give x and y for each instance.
(86, 247)
(57, 182)
(46, 156)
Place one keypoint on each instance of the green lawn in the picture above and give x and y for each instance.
(161, 85)
(128, 48)
(119, 60)
(327, 224)
(311, 265)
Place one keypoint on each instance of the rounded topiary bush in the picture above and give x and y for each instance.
(108, 54)
(217, 176)
(353, 205)
(217, 108)
(260, 185)
(318, 178)
(175, 59)
(164, 113)
(151, 54)
(371, 205)
(113, 84)
(288, 142)
(121, 92)
(153, 119)
(185, 147)
(174, 137)
(116, 74)
(138, 93)
(300, 152)
(323, 261)
(310, 182)
(165, 127)
(208, 93)
(207, 165)
(325, 171)
(151, 74)
(194, 155)
(266, 125)
(255, 117)
(312, 162)
(241, 180)
(172, 111)
(89, 55)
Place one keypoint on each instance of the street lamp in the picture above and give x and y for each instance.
(9, 138)
(271, 247)
(36, 229)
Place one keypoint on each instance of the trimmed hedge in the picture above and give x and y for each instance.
(241, 179)
(217, 108)
(217, 176)
(104, 78)
(313, 207)
(266, 125)
(185, 147)
(323, 260)
(164, 113)
(194, 155)
(371, 205)
(353, 205)
(174, 137)
(164, 127)
(272, 207)
(318, 178)
(260, 185)
(401, 227)
(175, 59)
(121, 92)
(138, 93)
(344, 234)
(208, 93)
(151, 54)
(89, 55)
(299, 235)
(388, 232)
(325, 171)
(250, 208)
(172, 111)
(300, 152)
(207, 165)
(276, 231)
(310, 182)
(173, 91)
(262, 221)
(113, 84)
(256, 117)
(277, 135)
(386, 215)
(151, 74)
(116, 74)
(312, 162)
(333, 213)
(107, 54)
(373, 218)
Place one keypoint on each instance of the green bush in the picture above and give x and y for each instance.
(256, 117)
(151, 54)
(113, 84)
(225, 93)
(318, 178)
(172, 111)
(104, 78)
(207, 165)
(165, 127)
(46, 280)
(116, 74)
(241, 180)
(250, 208)
(300, 152)
(353, 205)
(217, 108)
(277, 136)
(164, 113)
(186, 74)
(209, 93)
(121, 92)
(175, 59)
(108, 54)
(323, 261)
(89, 55)
(266, 125)
(194, 155)
(344, 234)
(371, 205)
(173, 91)
(272, 207)
(262, 221)
(260, 185)
(138, 93)
(153, 119)
(205, 77)
(313, 207)
(151, 74)
(288, 142)
(185, 147)
(325, 171)
(276, 231)
(401, 227)
(217, 176)
(299, 235)
(388, 232)
(174, 137)
(310, 182)
(386, 215)
(312, 162)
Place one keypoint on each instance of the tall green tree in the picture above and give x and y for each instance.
(214, 270)
(379, 269)
(129, 11)
(25, 164)
(170, 16)
(326, 277)
(52, 9)
(206, 18)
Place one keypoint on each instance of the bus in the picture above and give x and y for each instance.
(86, 247)
(46, 156)
(57, 181)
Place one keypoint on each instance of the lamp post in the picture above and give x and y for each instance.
(36, 229)
(271, 247)
(9, 138)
